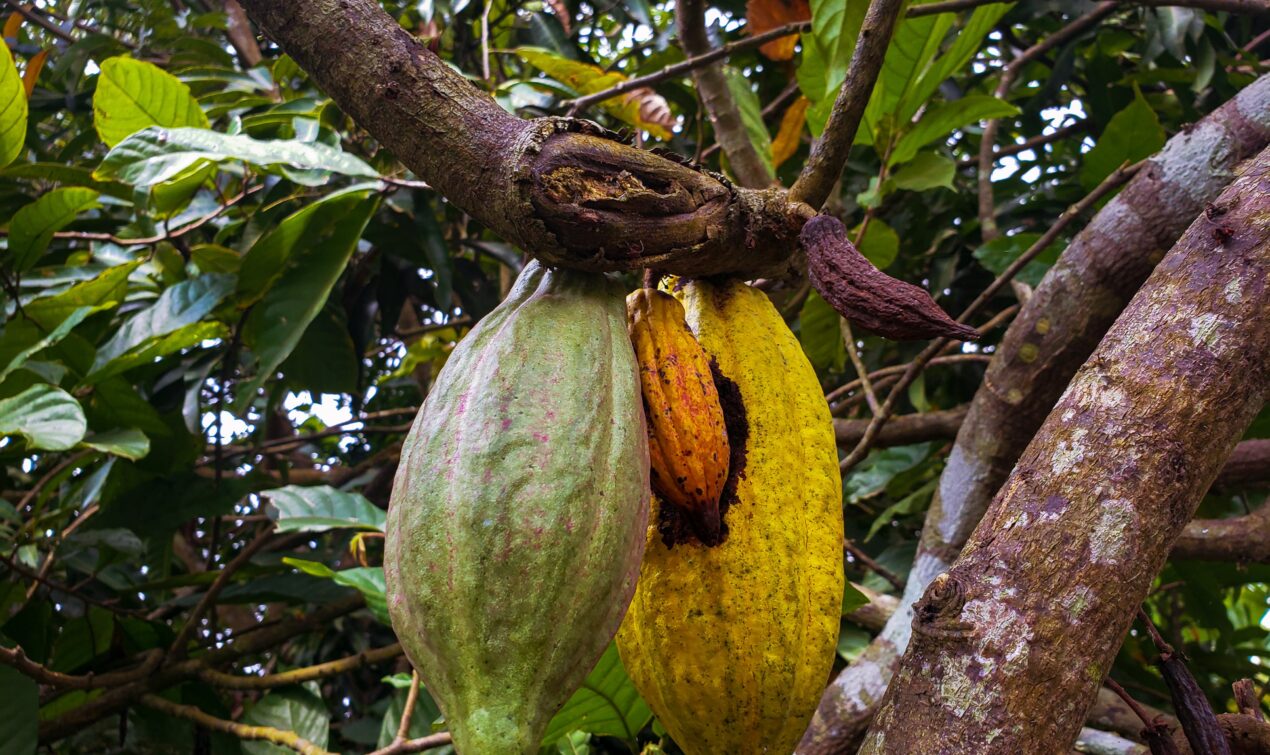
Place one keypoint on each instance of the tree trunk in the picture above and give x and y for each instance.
(1056, 330)
(1010, 646)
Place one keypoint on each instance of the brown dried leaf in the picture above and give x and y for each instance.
(867, 296)
(790, 134)
(32, 72)
(653, 109)
(765, 15)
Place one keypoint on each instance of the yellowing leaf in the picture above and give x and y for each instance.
(790, 133)
(643, 108)
(32, 72)
(12, 109)
(133, 94)
(765, 15)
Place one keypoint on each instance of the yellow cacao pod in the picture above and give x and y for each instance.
(731, 645)
(687, 441)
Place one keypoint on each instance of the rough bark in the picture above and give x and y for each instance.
(1241, 539)
(1032, 613)
(747, 167)
(1248, 465)
(905, 429)
(1054, 332)
(565, 191)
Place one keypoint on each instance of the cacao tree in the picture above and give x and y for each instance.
(1022, 246)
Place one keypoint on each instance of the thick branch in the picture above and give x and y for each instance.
(564, 191)
(829, 155)
(729, 130)
(1086, 520)
(1057, 329)
(243, 731)
(1241, 539)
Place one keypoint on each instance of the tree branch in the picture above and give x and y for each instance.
(987, 143)
(242, 731)
(829, 155)
(179, 648)
(1241, 539)
(905, 429)
(685, 66)
(729, 130)
(296, 676)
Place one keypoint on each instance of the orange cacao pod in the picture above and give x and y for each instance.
(687, 441)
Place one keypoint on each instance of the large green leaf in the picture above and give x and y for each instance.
(48, 417)
(325, 360)
(928, 170)
(368, 580)
(130, 443)
(965, 44)
(820, 334)
(34, 340)
(67, 175)
(132, 95)
(151, 349)
(751, 114)
(913, 46)
(33, 226)
(835, 25)
(880, 245)
(1133, 134)
(19, 709)
(183, 304)
(105, 290)
(13, 111)
(296, 709)
(160, 154)
(880, 467)
(280, 318)
(319, 508)
(944, 118)
(607, 704)
(1001, 252)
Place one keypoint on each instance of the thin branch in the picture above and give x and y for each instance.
(686, 66)
(1033, 143)
(178, 647)
(987, 143)
(16, 658)
(743, 159)
(904, 429)
(848, 340)
(899, 369)
(1119, 176)
(297, 676)
(32, 15)
(242, 731)
(829, 155)
(1148, 720)
(877, 568)
(430, 742)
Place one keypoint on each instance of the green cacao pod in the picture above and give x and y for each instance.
(517, 518)
(732, 644)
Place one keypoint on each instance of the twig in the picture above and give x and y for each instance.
(1033, 143)
(17, 658)
(879, 569)
(1119, 176)
(31, 15)
(685, 66)
(848, 340)
(178, 647)
(430, 742)
(1148, 720)
(297, 676)
(829, 155)
(898, 369)
(29, 498)
(242, 731)
(987, 143)
(747, 167)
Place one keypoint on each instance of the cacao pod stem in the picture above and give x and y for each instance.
(867, 296)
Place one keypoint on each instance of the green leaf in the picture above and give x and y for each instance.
(820, 334)
(43, 342)
(324, 361)
(880, 467)
(852, 598)
(966, 43)
(104, 291)
(19, 710)
(426, 711)
(880, 245)
(368, 580)
(294, 709)
(912, 503)
(607, 704)
(67, 175)
(180, 305)
(132, 95)
(13, 111)
(835, 25)
(319, 508)
(1132, 134)
(280, 318)
(33, 226)
(914, 44)
(945, 118)
(150, 350)
(751, 114)
(129, 443)
(928, 170)
(998, 254)
(159, 154)
(48, 417)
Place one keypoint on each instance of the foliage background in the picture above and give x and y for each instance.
(223, 303)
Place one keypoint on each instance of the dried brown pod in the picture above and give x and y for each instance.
(867, 296)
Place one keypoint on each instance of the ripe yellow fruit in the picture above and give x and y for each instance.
(731, 645)
(687, 441)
